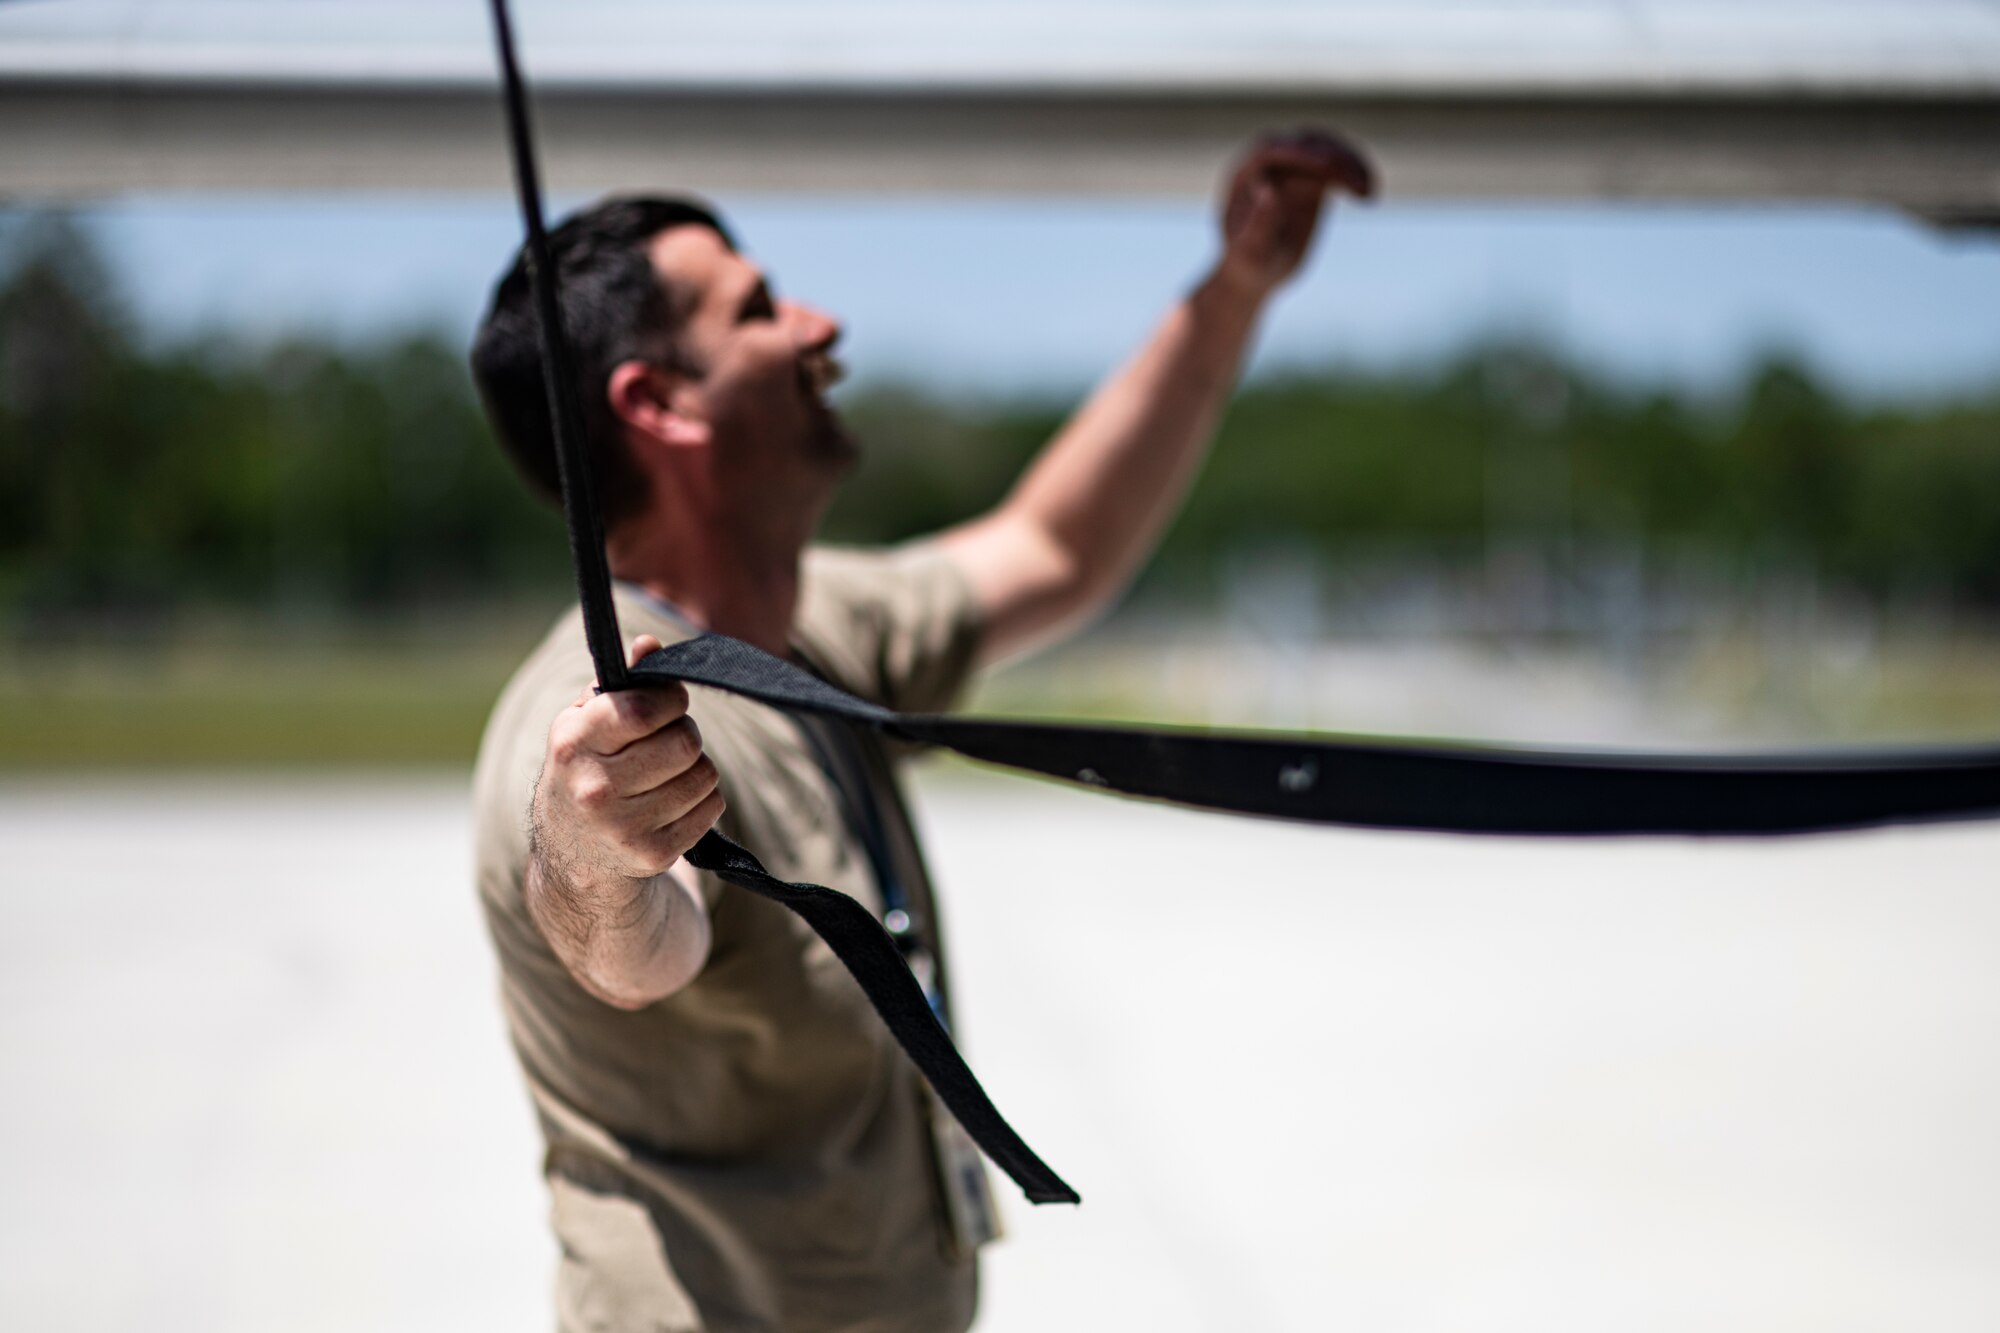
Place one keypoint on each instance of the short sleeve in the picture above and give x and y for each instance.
(898, 626)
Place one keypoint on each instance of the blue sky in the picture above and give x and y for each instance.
(1017, 294)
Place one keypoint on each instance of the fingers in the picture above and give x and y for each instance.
(1275, 200)
(666, 844)
(626, 787)
(605, 724)
(633, 740)
(1315, 155)
(641, 833)
(654, 760)
(1303, 165)
(1253, 215)
(603, 727)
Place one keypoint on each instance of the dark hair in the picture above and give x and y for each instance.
(615, 308)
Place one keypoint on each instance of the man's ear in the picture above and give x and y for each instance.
(644, 398)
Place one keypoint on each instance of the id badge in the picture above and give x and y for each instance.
(968, 1197)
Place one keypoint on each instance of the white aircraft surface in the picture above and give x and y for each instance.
(1884, 101)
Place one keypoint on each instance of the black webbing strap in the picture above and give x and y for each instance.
(582, 517)
(1321, 779)
(1373, 784)
(871, 955)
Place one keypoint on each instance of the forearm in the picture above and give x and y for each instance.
(1090, 508)
(1117, 472)
(628, 942)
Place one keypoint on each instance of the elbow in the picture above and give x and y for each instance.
(619, 996)
(1084, 573)
(1071, 582)
(1082, 589)
(627, 966)
(676, 958)
(641, 983)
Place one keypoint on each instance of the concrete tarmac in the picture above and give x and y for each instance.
(1304, 1078)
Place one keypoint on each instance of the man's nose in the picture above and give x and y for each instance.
(812, 329)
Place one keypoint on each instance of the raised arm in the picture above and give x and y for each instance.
(1091, 507)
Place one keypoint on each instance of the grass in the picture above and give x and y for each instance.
(251, 704)
(335, 697)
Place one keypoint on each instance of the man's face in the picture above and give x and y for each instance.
(767, 364)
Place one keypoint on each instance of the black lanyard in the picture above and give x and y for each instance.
(837, 749)
(834, 748)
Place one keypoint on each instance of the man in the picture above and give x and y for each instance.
(734, 1141)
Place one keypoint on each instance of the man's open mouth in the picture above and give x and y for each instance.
(820, 373)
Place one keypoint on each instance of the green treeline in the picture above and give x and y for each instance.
(137, 479)
(134, 478)
(1507, 447)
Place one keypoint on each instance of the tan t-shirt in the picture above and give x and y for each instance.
(754, 1151)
